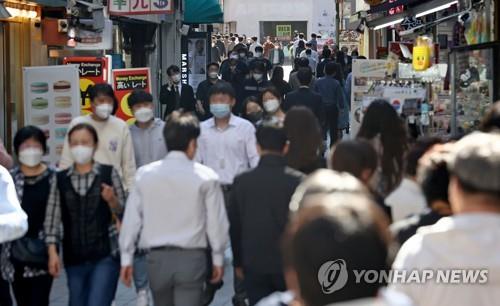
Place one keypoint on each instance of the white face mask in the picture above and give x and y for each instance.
(144, 114)
(176, 78)
(82, 154)
(271, 106)
(213, 75)
(258, 76)
(30, 157)
(104, 110)
(258, 54)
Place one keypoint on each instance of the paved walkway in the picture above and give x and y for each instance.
(127, 296)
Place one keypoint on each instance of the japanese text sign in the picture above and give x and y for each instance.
(140, 7)
(124, 82)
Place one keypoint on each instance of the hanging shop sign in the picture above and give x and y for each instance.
(124, 82)
(51, 101)
(92, 70)
(140, 7)
(92, 40)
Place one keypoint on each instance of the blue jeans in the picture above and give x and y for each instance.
(141, 281)
(93, 284)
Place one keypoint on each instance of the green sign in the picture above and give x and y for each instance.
(284, 30)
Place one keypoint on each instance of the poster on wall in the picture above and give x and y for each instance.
(324, 21)
(92, 70)
(51, 101)
(194, 58)
(364, 74)
(124, 82)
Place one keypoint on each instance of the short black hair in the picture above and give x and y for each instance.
(416, 152)
(326, 53)
(222, 88)
(305, 76)
(330, 68)
(354, 157)
(103, 89)
(308, 51)
(254, 38)
(180, 129)
(259, 66)
(213, 65)
(434, 180)
(271, 137)
(29, 132)
(259, 49)
(173, 69)
(313, 35)
(301, 35)
(84, 126)
(303, 62)
(139, 96)
(309, 44)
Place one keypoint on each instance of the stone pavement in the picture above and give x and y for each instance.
(127, 296)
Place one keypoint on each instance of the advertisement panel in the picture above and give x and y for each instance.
(92, 70)
(124, 82)
(51, 101)
(140, 7)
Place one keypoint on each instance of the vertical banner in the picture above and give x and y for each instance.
(92, 70)
(323, 21)
(195, 56)
(51, 101)
(364, 74)
(124, 82)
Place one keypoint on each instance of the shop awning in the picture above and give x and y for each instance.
(51, 3)
(203, 12)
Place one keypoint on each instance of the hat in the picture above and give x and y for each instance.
(475, 160)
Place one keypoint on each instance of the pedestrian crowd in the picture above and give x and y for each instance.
(157, 203)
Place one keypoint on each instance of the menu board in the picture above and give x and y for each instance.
(124, 82)
(51, 101)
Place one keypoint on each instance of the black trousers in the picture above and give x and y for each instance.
(34, 291)
(5, 298)
(258, 286)
(332, 123)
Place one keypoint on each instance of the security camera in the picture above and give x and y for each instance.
(465, 18)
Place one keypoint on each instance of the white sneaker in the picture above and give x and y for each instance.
(142, 298)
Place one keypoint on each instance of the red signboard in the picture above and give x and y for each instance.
(397, 9)
(92, 70)
(124, 82)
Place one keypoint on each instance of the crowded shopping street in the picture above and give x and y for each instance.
(249, 152)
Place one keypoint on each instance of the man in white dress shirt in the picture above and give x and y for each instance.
(227, 145)
(174, 206)
(469, 240)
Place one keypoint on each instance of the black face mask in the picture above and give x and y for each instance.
(255, 117)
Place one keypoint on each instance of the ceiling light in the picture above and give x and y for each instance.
(388, 24)
(437, 9)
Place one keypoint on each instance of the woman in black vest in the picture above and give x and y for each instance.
(87, 201)
(24, 261)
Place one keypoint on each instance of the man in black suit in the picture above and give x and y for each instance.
(176, 95)
(304, 96)
(258, 213)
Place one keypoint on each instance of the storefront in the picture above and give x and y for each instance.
(20, 45)
(438, 60)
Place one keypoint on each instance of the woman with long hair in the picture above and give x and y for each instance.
(386, 131)
(278, 81)
(306, 141)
